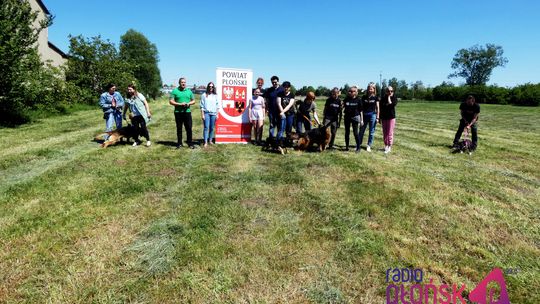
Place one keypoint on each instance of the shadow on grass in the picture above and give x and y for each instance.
(166, 143)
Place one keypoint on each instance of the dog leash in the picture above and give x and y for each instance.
(466, 133)
(310, 122)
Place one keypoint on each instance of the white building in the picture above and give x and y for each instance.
(47, 50)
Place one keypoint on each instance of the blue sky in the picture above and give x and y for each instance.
(315, 43)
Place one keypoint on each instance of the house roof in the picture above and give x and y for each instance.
(56, 49)
(43, 7)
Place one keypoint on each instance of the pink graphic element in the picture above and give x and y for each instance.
(479, 294)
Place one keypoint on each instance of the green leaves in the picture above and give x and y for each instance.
(476, 63)
(19, 60)
(94, 63)
(142, 56)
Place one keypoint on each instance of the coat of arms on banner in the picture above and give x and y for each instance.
(234, 100)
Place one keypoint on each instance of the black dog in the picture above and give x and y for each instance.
(274, 145)
(464, 145)
(117, 135)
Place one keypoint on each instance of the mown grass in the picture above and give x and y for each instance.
(232, 224)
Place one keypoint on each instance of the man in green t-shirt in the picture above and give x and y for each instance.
(182, 98)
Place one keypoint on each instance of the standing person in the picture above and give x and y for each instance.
(305, 108)
(352, 106)
(209, 112)
(140, 113)
(332, 114)
(285, 104)
(111, 103)
(182, 98)
(271, 104)
(388, 118)
(256, 114)
(469, 116)
(260, 84)
(370, 106)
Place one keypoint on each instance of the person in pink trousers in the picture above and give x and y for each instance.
(388, 117)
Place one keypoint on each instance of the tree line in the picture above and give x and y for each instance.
(523, 95)
(475, 65)
(28, 85)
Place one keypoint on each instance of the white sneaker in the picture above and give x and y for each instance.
(389, 148)
(368, 148)
(385, 149)
(135, 144)
(148, 143)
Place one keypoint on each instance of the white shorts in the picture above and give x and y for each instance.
(257, 115)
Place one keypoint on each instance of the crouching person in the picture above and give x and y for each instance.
(140, 114)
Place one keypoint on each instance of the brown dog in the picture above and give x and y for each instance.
(117, 135)
(319, 136)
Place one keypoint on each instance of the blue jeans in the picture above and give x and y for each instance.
(209, 123)
(110, 118)
(273, 122)
(305, 122)
(370, 118)
(286, 125)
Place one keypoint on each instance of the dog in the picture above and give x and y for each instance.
(275, 145)
(117, 135)
(464, 145)
(319, 136)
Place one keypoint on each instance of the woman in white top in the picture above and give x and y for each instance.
(256, 114)
(209, 112)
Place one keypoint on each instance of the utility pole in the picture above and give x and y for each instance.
(380, 80)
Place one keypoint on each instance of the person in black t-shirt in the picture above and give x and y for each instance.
(285, 106)
(352, 106)
(332, 114)
(370, 105)
(469, 116)
(388, 118)
(270, 97)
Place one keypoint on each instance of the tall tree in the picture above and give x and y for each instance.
(19, 59)
(142, 55)
(322, 91)
(402, 90)
(393, 82)
(476, 63)
(93, 63)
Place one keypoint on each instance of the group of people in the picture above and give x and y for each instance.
(114, 111)
(359, 112)
(278, 103)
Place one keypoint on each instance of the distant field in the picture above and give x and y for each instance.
(232, 224)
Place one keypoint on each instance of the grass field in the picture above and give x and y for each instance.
(232, 224)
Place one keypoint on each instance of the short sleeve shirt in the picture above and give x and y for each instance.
(305, 109)
(270, 95)
(352, 106)
(369, 103)
(285, 100)
(469, 110)
(332, 108)
(182, 96)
